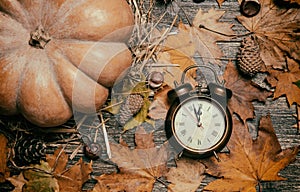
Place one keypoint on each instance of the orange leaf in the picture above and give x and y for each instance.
(58, 161)
(284, 81)
(243, 93)
(250, 161)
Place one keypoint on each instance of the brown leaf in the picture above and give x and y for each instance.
(143, 140)
(73, 178)
(250, 161)
(70, 179)
(178, 49)
(243, 93)
(58, 161)
(284, 81)
(187, 176)
(206, 40)
(159, 107)
(276, 37)
(18, 182)
(4, 172)
(139, 167)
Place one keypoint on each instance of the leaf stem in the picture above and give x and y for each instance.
(220, 33)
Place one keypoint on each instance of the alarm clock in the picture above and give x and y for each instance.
(198, 123)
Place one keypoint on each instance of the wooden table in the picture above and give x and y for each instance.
(281, 114)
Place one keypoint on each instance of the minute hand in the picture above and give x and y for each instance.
(197, 113)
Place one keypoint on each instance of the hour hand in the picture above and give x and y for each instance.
(197, 113)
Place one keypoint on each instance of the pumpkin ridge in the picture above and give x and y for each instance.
(12, 8)
(62, 13)
(40, 99)
(62, 55)
(82, 103)
(113, 56)
(94, 20)
(5, 67)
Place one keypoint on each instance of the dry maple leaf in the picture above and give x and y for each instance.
(284, 81)
(277, 32)
(4, 173)
(139, 168)
(37, 178)
(181, 47)
(178, 49)
(207, 36)
(70, 179)
(243, 93)
(250, 161)
(187, 176)
(159, 107)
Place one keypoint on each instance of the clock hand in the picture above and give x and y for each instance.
(193, 116)
(197, 113)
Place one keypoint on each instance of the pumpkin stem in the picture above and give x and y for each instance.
(39, 38)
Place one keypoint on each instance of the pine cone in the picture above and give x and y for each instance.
(29, 150)
(249, 60)
(131, 106)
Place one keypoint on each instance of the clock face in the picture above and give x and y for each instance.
(199, 124)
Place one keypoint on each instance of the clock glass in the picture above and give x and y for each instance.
(199, 124)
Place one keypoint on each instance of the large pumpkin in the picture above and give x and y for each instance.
(48, 48)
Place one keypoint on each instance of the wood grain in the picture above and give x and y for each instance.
(281, 114)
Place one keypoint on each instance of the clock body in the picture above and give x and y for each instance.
(198, 125)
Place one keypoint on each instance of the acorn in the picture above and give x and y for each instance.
(155, 79)
(250, 8)
(93, 150)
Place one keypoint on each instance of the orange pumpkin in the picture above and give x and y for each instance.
(57, 56)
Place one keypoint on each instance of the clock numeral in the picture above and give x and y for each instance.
(199, 142)
(183, 132)
(190, 139)
(214, 133)
(183, 114)
(191, 108)
(208, 140)
(217, 124)
(180, 123)
(215, 115)
(208, 108)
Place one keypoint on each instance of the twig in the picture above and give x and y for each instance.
(105, 136)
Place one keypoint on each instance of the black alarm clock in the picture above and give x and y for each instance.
(198, 123)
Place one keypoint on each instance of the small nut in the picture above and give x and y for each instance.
(250, 8)
(92, 150)
(155, 79)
